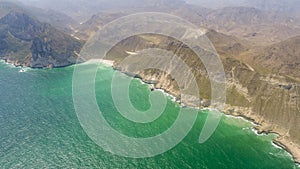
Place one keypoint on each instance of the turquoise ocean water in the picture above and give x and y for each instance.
(39, 129)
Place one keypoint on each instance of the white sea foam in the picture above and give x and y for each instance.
(275, 145)
(22, 70)
(242, 118)
(173, 98)
(263, 134)
(246, 128)
(258, 134)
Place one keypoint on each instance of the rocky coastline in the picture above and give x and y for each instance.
(261, 127)
(260, 124)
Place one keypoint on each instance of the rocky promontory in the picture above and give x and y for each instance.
(27, 42)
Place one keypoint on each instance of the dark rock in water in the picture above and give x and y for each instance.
(137, 76)
(133, 75)
(205, 103)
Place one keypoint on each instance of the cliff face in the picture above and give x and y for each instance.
(266, 97)
(26, 41)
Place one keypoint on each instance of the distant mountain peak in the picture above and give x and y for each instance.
(15, 17)
(23, 26)
(15, 14)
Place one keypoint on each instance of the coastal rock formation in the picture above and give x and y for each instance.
(26, 41)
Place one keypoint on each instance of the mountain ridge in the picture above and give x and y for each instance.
(35, 44)
(262, 28)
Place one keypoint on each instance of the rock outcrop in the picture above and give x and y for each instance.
(26, 41)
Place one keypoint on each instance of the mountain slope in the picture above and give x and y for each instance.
(251, 24)
(290, 7)
(26, 41)
(55, 18)
(82, 10)
(260, 27)
(282, 58)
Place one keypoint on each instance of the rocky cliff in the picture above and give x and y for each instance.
(28, 42)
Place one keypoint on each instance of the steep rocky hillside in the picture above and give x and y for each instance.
(282, 58)
(96, 22)
(26, 41)
(260, 27)
(226, 45)
(59, 20)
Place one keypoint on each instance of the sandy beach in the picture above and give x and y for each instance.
(106, 62)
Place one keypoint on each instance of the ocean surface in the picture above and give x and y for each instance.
(39, 129)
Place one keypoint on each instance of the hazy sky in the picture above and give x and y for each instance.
(67, 6)
(205, 3)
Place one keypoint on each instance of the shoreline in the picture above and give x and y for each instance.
(103, 61)
(257, 128)
(21, 68)
(261, 127)
(279, 142)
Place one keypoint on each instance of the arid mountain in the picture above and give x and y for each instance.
(257, 24)
(82, 10)
(60, 20)
(247, 23)
(282, 58)
(26, 41)
(290, 7)
(96, 22)
(227, 46)
(260, 27)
